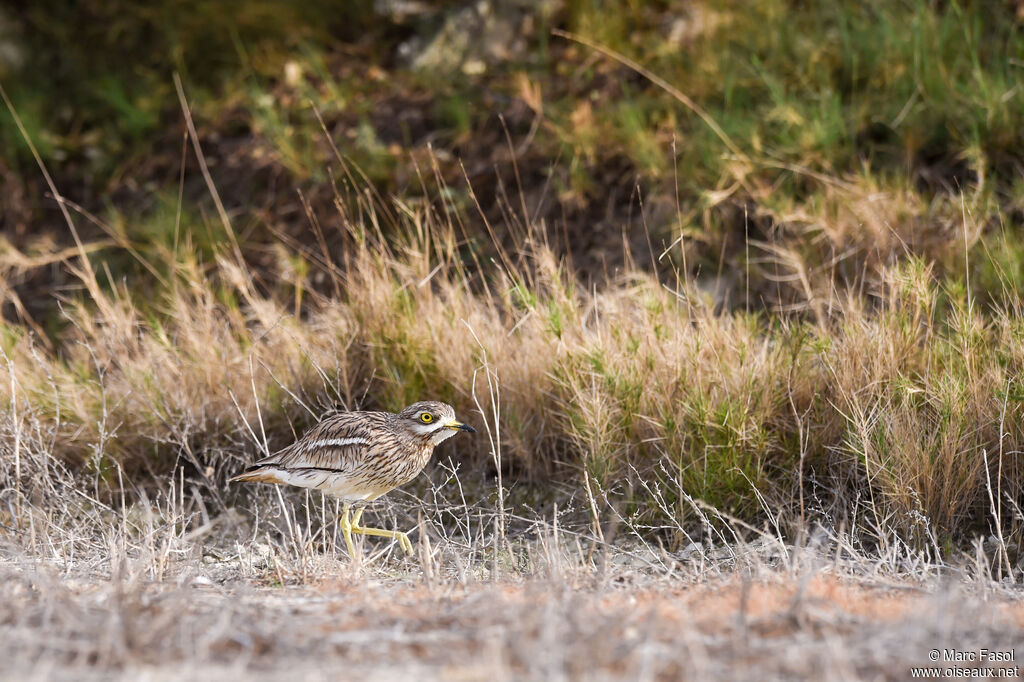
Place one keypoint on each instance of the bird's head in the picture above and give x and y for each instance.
(434, 419)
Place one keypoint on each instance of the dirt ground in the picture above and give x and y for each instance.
(770, 626)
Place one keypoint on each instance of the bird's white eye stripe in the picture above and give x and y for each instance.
(336, 443)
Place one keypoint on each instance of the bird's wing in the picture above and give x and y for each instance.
(335, 444)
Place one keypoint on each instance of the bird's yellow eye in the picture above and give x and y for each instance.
(426, 417)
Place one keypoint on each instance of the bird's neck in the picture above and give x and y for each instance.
(439, 436)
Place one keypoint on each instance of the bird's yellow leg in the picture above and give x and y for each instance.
(403, 539)
(346, 529)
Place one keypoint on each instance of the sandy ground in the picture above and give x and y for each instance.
(770, 627)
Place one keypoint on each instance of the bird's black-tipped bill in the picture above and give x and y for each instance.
(459, 426)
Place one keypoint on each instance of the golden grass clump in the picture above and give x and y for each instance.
(905, 407)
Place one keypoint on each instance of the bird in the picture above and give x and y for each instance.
(357, 456)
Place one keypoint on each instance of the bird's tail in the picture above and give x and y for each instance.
(259, 473)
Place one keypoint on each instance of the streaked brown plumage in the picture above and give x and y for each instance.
(359, 456)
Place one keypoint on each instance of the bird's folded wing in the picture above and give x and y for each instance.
(335, 444)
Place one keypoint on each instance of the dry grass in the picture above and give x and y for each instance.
(830, 630)
(908, 403)
(150, 598)
(704, 466)
(905, 401)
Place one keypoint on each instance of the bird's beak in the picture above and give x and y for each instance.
(459, 426)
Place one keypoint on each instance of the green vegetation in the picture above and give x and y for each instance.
(790, 291)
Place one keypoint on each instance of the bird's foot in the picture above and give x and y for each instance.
(348, 527)
(346, 530)
(403, 539)
(403, 542)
